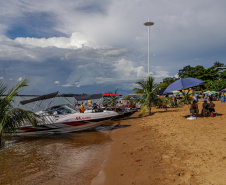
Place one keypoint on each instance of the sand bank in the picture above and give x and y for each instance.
(166, 148)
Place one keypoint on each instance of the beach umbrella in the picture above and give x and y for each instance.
(206, 92)
(183, 83)
(214, 92)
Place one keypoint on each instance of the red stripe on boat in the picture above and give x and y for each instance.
(74, 123)
(26, 129)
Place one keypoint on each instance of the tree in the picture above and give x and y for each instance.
(223, 75)
(217, 64)
(198, 72)
(183, 72)
(166, 82)
(148, 89)
(216, 85)
(11, 118)
(169, 80)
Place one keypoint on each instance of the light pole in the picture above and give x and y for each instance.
(148, 24)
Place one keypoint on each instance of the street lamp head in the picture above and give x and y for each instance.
(148, 23)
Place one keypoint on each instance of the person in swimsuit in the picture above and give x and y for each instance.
(194, 108)
(211, 105)
(205, 109)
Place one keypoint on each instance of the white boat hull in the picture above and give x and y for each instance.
(68, 123)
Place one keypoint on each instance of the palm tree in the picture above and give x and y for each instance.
(11, 118)
(112, 100)
(163, 102)
(148, 89)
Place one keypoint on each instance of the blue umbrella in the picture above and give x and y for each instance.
(183, 83)
(221, 71)
(223, 90)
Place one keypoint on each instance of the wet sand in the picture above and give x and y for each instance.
(166, 148)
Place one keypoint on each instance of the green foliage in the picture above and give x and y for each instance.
(209, 75)
(166, 82)
(162, 86)
(169, 80)
(216, 85)
(183, 72)
(217, 64)
(148, 89)
(198, 72)
(11, 118)
(163, 102)
(223, 75)
(186, 99)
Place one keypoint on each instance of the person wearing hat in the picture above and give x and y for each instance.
(194, 110)
(205, 109)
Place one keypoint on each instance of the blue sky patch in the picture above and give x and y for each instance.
(37, 25)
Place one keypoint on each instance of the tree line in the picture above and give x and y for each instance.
(214, 81)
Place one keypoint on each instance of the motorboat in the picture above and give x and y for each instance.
(63, 118)
(123, 112)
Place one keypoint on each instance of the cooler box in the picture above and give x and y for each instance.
(222, 99)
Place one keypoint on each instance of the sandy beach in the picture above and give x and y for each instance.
(166, 148)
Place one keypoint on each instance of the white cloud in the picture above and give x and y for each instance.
(77, 40)
(19, 79)
(1, 77)
(107, 41)
(67, 85)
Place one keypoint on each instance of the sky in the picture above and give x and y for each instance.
(96, 46)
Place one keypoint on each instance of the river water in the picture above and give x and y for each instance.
(74, 158)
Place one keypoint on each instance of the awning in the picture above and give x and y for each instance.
(88, 97)
(43, 97)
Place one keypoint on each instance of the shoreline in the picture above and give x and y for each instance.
(166, 148)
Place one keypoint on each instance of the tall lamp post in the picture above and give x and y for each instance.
(148, 24)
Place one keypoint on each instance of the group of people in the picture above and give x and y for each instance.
(207, 108)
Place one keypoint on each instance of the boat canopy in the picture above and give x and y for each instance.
(88, 97)
(43, 97)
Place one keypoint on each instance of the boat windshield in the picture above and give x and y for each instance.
(62, 109)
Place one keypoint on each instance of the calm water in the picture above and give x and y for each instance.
(74, 158)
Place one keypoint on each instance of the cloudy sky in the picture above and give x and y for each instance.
(95, 46)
